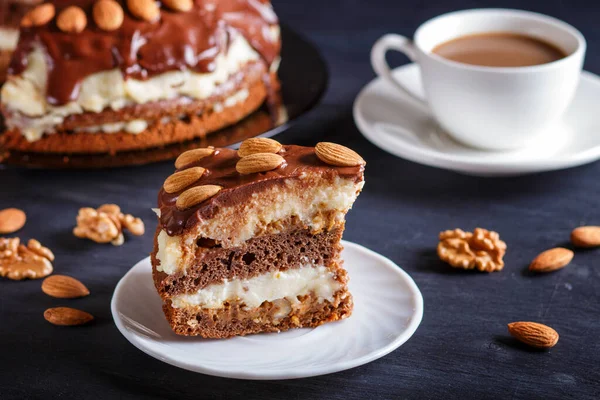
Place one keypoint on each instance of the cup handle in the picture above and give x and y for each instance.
(399, 43)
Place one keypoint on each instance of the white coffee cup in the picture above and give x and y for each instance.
(495, 108)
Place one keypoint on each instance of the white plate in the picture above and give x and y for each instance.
(388, 308)
(397, 124)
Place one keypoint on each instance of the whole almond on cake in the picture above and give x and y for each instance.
(147, 10)
(179, 5)
(71, 20)
(108, 15)
(196, 195)
(258, 162)
(38, 16)
(338, 155)
(192, 156)
(182, 179)
(258, 145)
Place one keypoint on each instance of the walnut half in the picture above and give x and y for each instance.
(481, 249)
(18, 261)
(106, 224)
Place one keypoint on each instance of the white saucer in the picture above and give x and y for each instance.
(388, 308)
(397, 124)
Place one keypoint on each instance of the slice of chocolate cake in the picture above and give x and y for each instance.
(249, 241)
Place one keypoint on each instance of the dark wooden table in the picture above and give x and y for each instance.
(461, 349)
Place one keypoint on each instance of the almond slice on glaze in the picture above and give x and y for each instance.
(196, 195)
(191, 156)
(39, 16)
(586, 236)
(182, 179)
(258, 145)
(67, 316)
(108, 15)
(148, 10)
(551, 260)
(64, 287)
(71, 20)
(260, 162)
(179, 5)
(338, 155)
(11, 220)
(534, 334)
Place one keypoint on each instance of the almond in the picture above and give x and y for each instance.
(71, 20)
(182, 179)
(258, 145)
(338, 155)
(586, 236)
(191, 156)
(147, 10)
(11, 220)
(108, 15)
(259, 162)
(66, 316)
(551, 260)
(64, 287)
(179, 5)
(38, 16)
(196, 195)
(533, 334)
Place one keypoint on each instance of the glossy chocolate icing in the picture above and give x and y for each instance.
(11, 12)
(178, 41)
(220, 170)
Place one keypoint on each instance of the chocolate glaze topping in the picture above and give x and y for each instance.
(178, 41)
(11, 11)
(220, 170)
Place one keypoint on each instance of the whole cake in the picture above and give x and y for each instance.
(105, 76)
(249, 241)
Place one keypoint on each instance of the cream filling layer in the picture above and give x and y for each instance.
(139, 125)
(264, 213)
(108, 89)
(8, 38)
(306, 201)
(270, 286)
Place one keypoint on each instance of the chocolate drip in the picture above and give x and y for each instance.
(178, 41)
(11, 11)
(220, 170)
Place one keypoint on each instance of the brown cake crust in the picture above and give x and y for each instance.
(233, 320)
(201, 120)
(258, 122)
(262, 254)
(4, 62)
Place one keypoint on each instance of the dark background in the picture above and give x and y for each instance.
(461, 349)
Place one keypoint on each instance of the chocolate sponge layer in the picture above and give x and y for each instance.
(256, 256)
(234, 320)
